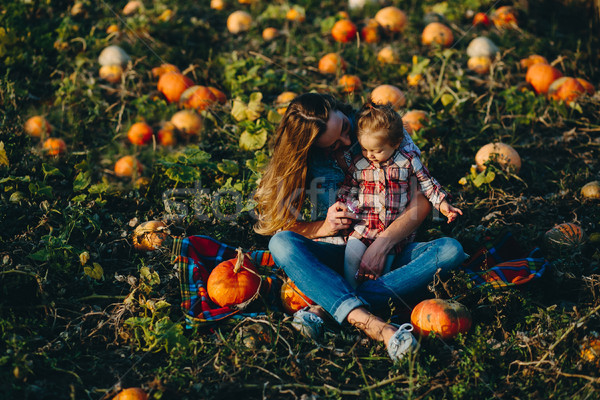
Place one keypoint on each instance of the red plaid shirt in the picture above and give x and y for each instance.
(382, 193)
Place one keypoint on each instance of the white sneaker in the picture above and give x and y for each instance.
(402, 343)
(308, 324)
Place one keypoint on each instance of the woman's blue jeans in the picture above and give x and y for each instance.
(317, 269)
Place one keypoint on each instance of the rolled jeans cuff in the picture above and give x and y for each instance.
(345, 305)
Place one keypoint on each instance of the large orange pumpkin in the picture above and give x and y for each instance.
(436, 32)
(173, 84)
(344, 31)
(292, 299)
(564, 237)
(131, 394)
(233, 282)
(541, 76)
(445, 318)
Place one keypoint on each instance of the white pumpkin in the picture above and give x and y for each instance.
(113, 55)
(359, 4)
(482, 47)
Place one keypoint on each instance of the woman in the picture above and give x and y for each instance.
(314, 144)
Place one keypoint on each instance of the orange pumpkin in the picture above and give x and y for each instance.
(566, 89)
(370, 32)
(131, 394)
(283, 100)
(140, 133)
(197, 97)
(159, 71)
(187, 122)
(480, 65)
(149, 235)
(564, 237)
(589, 88)
(590, 351)
(292, 299)
(505, 17)
(233, 282)
(504, 155)
(413, 120)
(445, 318)
(111, 73)
(481, 19)
(343, 31)
(384, 94)
(219, 95)
(37, 126)
(330, 62)
(350, 83)
(127, 166)
(541, 76)
(436, 32)
(269, 34)
(295, 14)
(591, 190)
(173, 84)
(392, 19)
(239, 21)
(531, 60)
(387, 55)
(54, 146)
(166, 135)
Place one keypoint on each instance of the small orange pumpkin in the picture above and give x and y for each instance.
(111, 73)
(436, 32)
(445, 318)
(481, 18)
(37, 126)
(505, 155)
(330, 62)
(162, 69)
(564, 237)
(589, 88)
(480, 65)
(591, 190)
(239, 21)
(187, 122)
(566, 89)
(269, 33)
(413, 120)
(54, 146)
(173, 84)
(590, 351)
(131, 394)
(387, 55)
(292, 299)
(505, 17)
(127, 166)
(344, 31)
(541, 76)
(392, 19)
(283, 100)
(219, 95)
(350, 83)
(370, 32)
(140, 133)
(296, 14)
(233, 282)
(531, 60)
(149, 235)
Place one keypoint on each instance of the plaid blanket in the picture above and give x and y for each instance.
(497, 264)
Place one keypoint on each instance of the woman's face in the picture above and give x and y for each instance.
(337, 134)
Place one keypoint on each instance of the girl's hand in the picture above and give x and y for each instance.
(338, 218)
(373, 261)
(450, 211)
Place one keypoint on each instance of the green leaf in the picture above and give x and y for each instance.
(490, 177)
(101, 187)
(82, 180)
(253, 141)
(259, 163)
(3, 157)
(41, 255)
(255, 106)
(239, 110)
(274, 117)
(95, 272)
(38, 189)
(49, 170)
(183, 173)
(228, 167)
(24, 179)
(479, 180)
(447, 99)
(151, 278)
(79, 198)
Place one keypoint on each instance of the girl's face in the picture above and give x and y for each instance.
(337, 134)
(375, 148)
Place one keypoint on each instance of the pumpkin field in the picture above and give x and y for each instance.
(129, 126)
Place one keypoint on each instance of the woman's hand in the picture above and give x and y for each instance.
(338, 218)
(373, 261)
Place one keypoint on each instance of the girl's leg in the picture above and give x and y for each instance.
(316, 267)
(413, 270)
(352, 256)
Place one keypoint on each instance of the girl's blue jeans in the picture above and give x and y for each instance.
(317, 268)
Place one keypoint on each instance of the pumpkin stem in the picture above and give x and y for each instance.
(239, 263)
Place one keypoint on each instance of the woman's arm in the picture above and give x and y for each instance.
(413, 216)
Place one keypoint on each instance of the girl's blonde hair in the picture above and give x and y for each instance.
(381, 119)
(281, 193)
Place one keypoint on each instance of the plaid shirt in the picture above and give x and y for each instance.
(381, 194)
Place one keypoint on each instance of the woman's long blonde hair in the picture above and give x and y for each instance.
(281, 191)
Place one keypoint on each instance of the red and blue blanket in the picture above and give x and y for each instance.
(497, 264)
